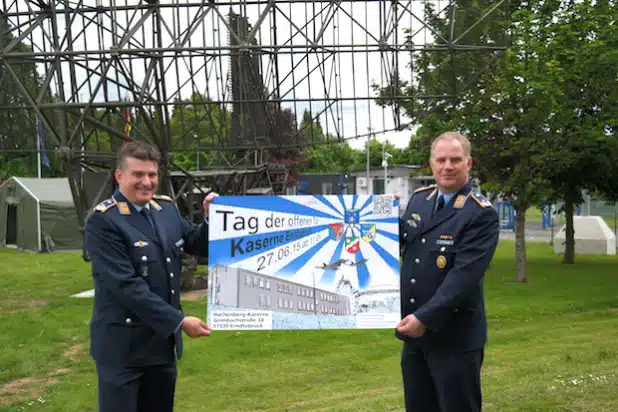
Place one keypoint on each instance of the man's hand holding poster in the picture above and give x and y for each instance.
(303, 262)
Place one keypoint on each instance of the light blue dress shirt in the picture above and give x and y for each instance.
(447, 198)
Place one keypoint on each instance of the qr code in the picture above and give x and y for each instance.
(383, 205)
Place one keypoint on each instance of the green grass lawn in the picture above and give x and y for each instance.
(553, 346)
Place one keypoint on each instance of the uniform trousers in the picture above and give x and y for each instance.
(137, 389)
(441, 381)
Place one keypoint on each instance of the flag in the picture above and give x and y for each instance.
(40, 138)
(127, 121)
(352, 244)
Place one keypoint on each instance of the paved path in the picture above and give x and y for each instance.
(534, 233)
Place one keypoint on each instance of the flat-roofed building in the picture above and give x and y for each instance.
(241, 288)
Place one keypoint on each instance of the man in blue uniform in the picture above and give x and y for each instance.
(448, 237)
(135, 239)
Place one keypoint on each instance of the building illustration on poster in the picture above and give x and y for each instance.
(303, 262)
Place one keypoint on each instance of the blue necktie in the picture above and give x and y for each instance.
(440, 204)
(148, 215)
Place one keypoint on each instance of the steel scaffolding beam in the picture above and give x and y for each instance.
(221, 77)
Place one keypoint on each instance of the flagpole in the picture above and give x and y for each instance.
(384, 163)
(38, 154)
(368, 141)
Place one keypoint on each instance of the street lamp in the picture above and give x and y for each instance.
(385, 157)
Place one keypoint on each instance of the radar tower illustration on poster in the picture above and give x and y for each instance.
(303, 262)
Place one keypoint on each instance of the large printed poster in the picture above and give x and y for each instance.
(303, 262)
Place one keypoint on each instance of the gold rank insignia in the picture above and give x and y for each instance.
(140, 243)
(123, 208)
(155, 205)
(422, 189)
(163, 197)
(441, 262)
(460, 201)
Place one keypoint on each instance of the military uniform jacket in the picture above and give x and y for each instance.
(136, 270)
(444, 261)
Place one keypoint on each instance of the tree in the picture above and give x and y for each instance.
(18, 140)
(331, 158)
(585, 145)
(542, 117)
(319, 156)
(15, 164)
(504, 110)
(376, 150)
(287, 138)
(310, 129)
(203, 125)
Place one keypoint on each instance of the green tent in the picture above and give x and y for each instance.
(38, 215)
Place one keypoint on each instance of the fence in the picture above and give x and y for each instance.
(546, 220)
(590, 207)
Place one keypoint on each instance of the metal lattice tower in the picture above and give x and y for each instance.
(229, 80)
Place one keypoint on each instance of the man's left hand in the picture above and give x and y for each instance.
(411, 326)
(207, 200)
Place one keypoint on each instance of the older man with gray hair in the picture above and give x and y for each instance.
(448, 236)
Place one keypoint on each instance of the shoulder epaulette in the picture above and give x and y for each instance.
(423, 189)
(481, 200)
(155, 204)
(163, 197)
(105, 205)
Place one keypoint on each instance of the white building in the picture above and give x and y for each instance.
(397, 180)
(237, 287)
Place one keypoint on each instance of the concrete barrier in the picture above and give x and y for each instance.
(592, 237)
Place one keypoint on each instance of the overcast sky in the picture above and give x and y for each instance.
(333, 75)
